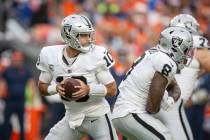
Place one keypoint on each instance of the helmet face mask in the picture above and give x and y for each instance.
(186, 21)
(77, 32)
(85, 39)
(177, 43)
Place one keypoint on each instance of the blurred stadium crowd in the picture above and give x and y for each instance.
(126, 27)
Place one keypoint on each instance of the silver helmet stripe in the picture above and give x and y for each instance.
(88, 22)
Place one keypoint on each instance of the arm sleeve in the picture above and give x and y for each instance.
(105, 60)
(104, 76)
(45, 77)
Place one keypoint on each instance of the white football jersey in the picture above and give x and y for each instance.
(134, 89)
(200, 42)
(52, 60)
(188, 76)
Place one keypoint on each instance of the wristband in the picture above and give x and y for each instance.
(52, 89)
(97, 90)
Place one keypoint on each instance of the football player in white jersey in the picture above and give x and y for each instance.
(175, 117)
(89, 112)
(142, 90)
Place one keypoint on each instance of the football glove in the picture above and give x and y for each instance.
(167, 103)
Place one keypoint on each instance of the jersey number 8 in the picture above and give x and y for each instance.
(166, 69)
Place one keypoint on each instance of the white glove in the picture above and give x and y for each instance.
(167, 103)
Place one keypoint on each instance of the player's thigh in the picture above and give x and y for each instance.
(142, 127)
(124, 126)
(169, 116)
(62, 131)
(101, 128)
(176, 118)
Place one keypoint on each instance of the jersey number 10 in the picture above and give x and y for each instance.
(108, 59)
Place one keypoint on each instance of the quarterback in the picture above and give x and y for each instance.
(186, 78)
(87, 112)
(142, 90)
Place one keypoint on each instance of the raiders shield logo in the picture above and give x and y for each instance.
(176, 41)
(67, 30)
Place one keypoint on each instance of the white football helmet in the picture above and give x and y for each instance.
(186, 21)
(72, 27)
(177, 43)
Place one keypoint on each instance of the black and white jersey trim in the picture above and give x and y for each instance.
(110, 127)
(148, 127)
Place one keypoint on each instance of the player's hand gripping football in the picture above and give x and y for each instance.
(83, 90)
(167, 102)
(60, 88)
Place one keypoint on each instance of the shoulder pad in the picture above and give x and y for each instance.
(103, 57)
(45, 55)
(41, 63)
(164, 64)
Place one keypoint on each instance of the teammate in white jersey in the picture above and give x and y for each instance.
(142, 90)
(89, 113)
(186, 78)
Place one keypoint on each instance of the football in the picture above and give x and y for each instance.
(69, 86)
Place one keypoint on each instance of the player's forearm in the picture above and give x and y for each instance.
(175, 93)
(103, 90)
(43, 88)
(154, 99)
(111, 89)
(105, 78)
(174, 90)
(151, 108)
(156, 92)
